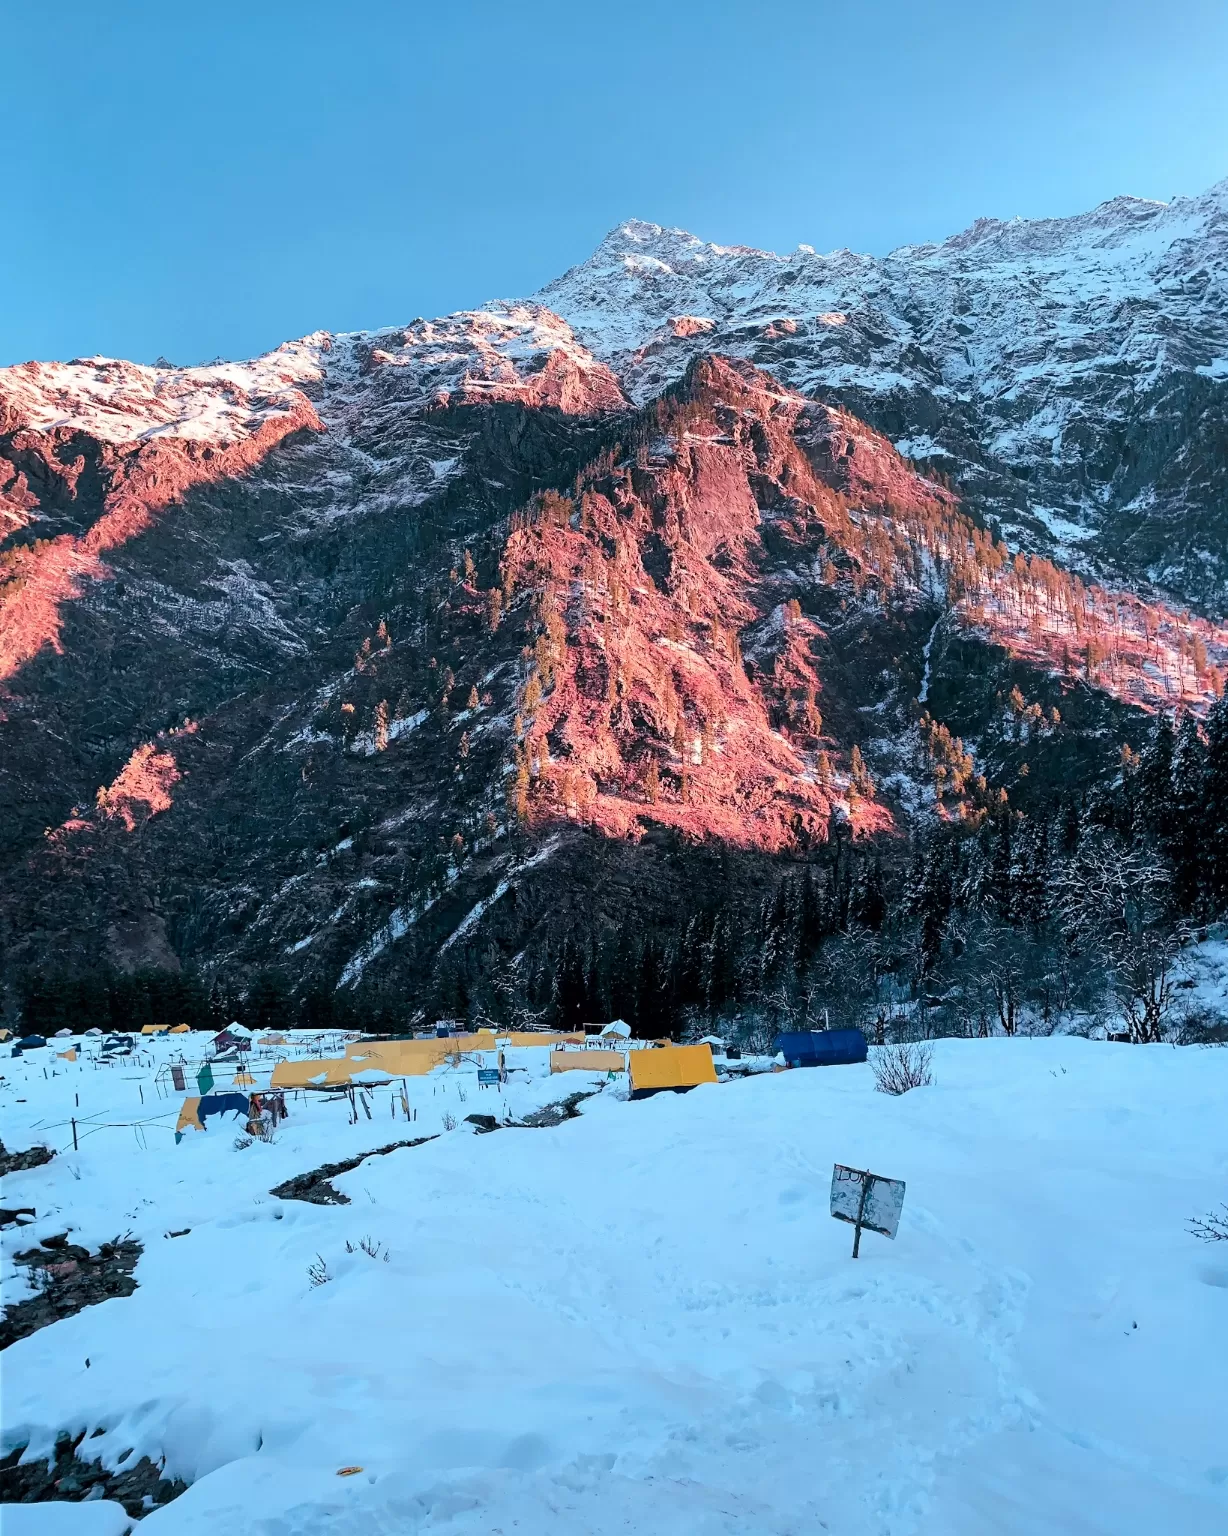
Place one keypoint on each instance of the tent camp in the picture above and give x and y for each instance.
(671, 1067)
(527, 1038)
(822, 1048)
(393, 1058)
(587, 1061)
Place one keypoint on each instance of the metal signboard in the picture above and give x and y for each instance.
(866, 1200)
(488, 1077)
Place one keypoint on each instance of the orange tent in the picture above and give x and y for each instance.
(676, 1067)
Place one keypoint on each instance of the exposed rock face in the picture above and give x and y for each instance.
(1071, 373)
(392, 648)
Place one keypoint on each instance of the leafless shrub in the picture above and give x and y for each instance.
(449, 1122)
(462, 1096)
(318, 1273)
(1213, 1227)
(241, 1142)
(897, 1068)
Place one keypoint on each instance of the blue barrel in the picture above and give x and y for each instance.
(822, 1048)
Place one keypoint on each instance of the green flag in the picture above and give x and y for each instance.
(204, 1079)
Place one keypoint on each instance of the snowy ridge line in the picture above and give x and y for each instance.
(121, 402)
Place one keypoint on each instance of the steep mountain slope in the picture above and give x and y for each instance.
(397, 663)
(1071, 373)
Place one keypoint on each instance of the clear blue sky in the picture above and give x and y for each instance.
(208, 179)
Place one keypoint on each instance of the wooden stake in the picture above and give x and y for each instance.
(74, 1136)
(861, 1211)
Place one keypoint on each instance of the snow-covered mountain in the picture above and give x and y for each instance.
(1071, 374)
(310, 661)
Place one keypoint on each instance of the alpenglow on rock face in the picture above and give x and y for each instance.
(391, 662)
(1072, 374)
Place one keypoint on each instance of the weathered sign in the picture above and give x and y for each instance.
(866, 1200)
(488, 1077)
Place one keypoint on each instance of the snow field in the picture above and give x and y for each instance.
(645, 1318)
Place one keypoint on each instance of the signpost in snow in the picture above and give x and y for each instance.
(866, 1200)
(488, 1077)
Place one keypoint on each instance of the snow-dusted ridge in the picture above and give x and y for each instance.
(121, 402)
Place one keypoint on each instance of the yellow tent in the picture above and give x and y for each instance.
(189, 1116)
(181, 1029)
(670, 1066)
(397, 1058)
(528, 1038)
(312, 1073)
(587, 1061)
(154, 1029)
(66, 1055)
(243, 1080)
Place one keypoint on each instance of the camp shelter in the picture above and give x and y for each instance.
(189, 1116)
(396, 1058)
(272, 1040)
(69, 1055)
(822, 1048)
(154, 1029)
(181, 1029)
(675, 1067)
(62, 1034)
(527, 1039)
(587, 1061)
(315, 1072)
(440, 1046)
(616, 1030)
(243, 1080)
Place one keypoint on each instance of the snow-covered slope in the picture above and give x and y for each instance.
(119, 402)
(1071, 368)
(646, 1320)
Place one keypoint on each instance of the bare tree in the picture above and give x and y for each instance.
(1213, 1227)
(1114, 902)
(901, 1067)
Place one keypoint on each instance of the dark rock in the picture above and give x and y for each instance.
(139, 1487)
(70, 1278)
(17, 1162)
(314, 1187)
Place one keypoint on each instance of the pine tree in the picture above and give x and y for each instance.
(652, 782)
(1186, 841)
(1215, 807)
(1154, 783)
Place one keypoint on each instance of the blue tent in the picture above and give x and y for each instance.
(826, 1048)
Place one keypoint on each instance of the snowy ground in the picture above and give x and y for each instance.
(645, 1320)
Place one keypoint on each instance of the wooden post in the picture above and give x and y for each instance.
(74, 1136)
(861, 1211)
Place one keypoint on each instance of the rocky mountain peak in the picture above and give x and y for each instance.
(386, 641)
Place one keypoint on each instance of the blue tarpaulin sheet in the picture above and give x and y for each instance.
(822, 1048)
